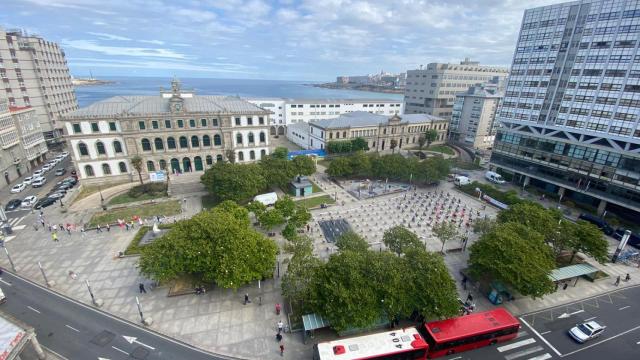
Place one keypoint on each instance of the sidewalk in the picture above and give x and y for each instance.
(93, 201)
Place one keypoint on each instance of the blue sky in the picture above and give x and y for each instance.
(258, 39)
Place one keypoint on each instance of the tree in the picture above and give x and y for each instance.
(237, 182)
(286, 206)
(304, 165)
(399, 239)
(445, 231)
(280, 152)
(339, 167)
(270, 219)
(360, 164)
(338, 146)
(277, 171)
(393, 145)
(589, 240)
(300, 217)
(421, 141)
(213, 246)
(350, 241)
(136, 162)
(516, 255)
(483, 225)
(231, 156)
(431, 135)
(256, 207)
(359, 144)
(296, 282)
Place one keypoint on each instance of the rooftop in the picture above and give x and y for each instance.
(326, 100)
(365, 119)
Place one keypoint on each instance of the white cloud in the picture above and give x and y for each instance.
(182, 45)
(195, 15)
(155, 42)
(105, 36)
(90, 45)
(287, 15)
(99, 23)
(212, 67)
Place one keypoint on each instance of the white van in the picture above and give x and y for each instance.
(461, 180)
(494, 177)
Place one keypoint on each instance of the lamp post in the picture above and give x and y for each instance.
(46, 280)
(96, 302)
(145, 321)
(13, 266)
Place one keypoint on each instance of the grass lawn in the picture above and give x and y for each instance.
(92, 189)
(208, 201)
(316, 201)
(316, 188)
(125, 198)
(134, 246)
(166, 208)
(441, 149)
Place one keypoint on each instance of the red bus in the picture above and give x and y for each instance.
(401, 344)
(446, 337)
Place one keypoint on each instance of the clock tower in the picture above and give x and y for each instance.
(176, 103)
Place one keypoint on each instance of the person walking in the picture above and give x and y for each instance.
(281, 349)
(142, 289)
(98, 229)
(54, 237)
(126, 224)
(277, 308)
(82, 233)
(627, 278)
(279, 337)
(246, 298)
(280, 326)
(108, 227)
(617, 283)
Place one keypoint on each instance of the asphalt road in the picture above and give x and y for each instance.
(543, 334)
(76, 331)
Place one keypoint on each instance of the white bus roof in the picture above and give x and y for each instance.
(366, 346)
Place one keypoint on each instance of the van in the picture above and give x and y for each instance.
(461, 180)
(634, 239)
(601, 224)
(494, 177)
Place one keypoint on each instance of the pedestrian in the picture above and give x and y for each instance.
(281, 349)
(54, 227)
(142, 289)
(108, 227)
(627, 278)
(469, 298)
(126, 224)
(132, 225)
(82, 232)
(308, 227)
(246, 299)
(280, 326)
(279, 337)
(277, 308)
(98, 229)
(565, 286)
(617, 281)
(42, 221)
(54, 237)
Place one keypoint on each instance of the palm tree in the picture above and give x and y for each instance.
(136, 162)
(394, 143)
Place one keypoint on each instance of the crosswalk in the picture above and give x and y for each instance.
(14, 222)
(523, 348)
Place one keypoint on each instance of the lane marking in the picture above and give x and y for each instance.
(33, 309)
(456, 358)
(524, 353)
(624, 307)
(122, 351)
(542, 357)
(600, 342)
(19, 227)
(521, 334)
(72, 328)
(54, 353)
(4, 282)
(546, 332)
(591, 318)
(516, 345)
(132, 340)
(540, 336)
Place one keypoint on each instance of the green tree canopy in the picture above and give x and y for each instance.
(136, 162)
(350, 241)
(483, 225)
(339, 167)
(359, 144)
(421, 141)
(589, 240)
(445, 231)
(280, 152)
(215, 246)
(271, 218)
(286, 206)
(304, 165)
(237, 182)
(302, 269)
(277, 171)
(256, 207)
(516, 255)
(400, 239)
(431, 135)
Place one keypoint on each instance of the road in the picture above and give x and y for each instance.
(544, 333)
(77, 331)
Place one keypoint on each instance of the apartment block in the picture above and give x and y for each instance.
(432, 90)
(570, 116)
(34, 72)
(473, 121)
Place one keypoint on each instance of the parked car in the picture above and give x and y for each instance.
(63, 186)
(600, 223)
(60, 171)
(27, 180)
(38, 182)
(18, 188)
(586, 331)
(634, 239)
(461, 180)
(72, 179)
(65, 153)
(43, 203)
(13, 204)
(56, 195)
(494, 177)
(38, 173)
(29, 201)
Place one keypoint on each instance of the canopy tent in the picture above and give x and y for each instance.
(572, 271)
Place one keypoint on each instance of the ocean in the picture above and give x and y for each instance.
(87, 95)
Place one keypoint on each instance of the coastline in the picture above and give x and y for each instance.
(368, 88)
(90, 82)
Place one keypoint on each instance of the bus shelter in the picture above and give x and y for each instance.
(568, 273)
(311, 322)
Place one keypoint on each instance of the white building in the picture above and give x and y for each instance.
(292, 111)
(473, 120)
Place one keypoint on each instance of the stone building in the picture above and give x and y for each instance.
(377, 130)
(473, 120)
(177, 131)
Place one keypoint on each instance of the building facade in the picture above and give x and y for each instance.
(432, 90)
(34, 73)
(570, 116)
(473, 121)
(377, 130)
(176, 131)
(293, 111)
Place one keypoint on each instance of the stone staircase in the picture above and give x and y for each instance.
(185, 184)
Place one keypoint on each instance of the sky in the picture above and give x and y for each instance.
(280, 39)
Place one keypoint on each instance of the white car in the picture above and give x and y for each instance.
(65, 153)
(18, 188)
(29, 201)
(27, 180)
(586, 331)
(60, 157)
(38, 182)
(38, 173)
(47, 167)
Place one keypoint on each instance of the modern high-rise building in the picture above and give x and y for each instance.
(432, 90)
(569, 119)
(473, 122)
(34, 72)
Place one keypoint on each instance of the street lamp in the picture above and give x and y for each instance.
(145, 321)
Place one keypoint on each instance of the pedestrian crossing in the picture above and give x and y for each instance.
(16, 221)
(524, 347)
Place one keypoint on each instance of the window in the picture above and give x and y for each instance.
(263, 153)
(146, 145)
(88, 170)
(263, 137)
(117, 147)
(219, 158)
(240, 156)
(206, 140)
(123, 167)
(344, 134)
(180, 123)
(239, 139)
(163, 165)
(214, 122)
(251, 138)
(94, 127)
(167, 124)
(100, 148)
(106, 169)
(217, 140)
(237, 121)
(154, 124)
(112, 126)
(171, 143)
(209, 160)
(192, 123)
(183, 142)
(261, 120)
(249, 120)
(195, 142)
(158, 143)
(83, 150)
(77, 129)
(151, 166)
(141, 125)
(203, 122)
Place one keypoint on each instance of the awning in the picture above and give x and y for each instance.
(572, 271)
(314, 321)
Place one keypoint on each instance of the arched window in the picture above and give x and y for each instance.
(88, 170)
(151, 166)
(100, 148)
(252, 155)
(171, 143)
(217, 140)
(195, 142)
(344, 134)
(106, 169)
(163, 165)
(263, 137)
(183, 142)
(219, 158)
(197, 163)
(263, 153)
(146, 145)
(158, 143)
(206, 140)
(192, 123)
(238, 138)
(117, 147)
(83, 150)
(209, 160)
(240, 156)
(251, 138)
(123, 167)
